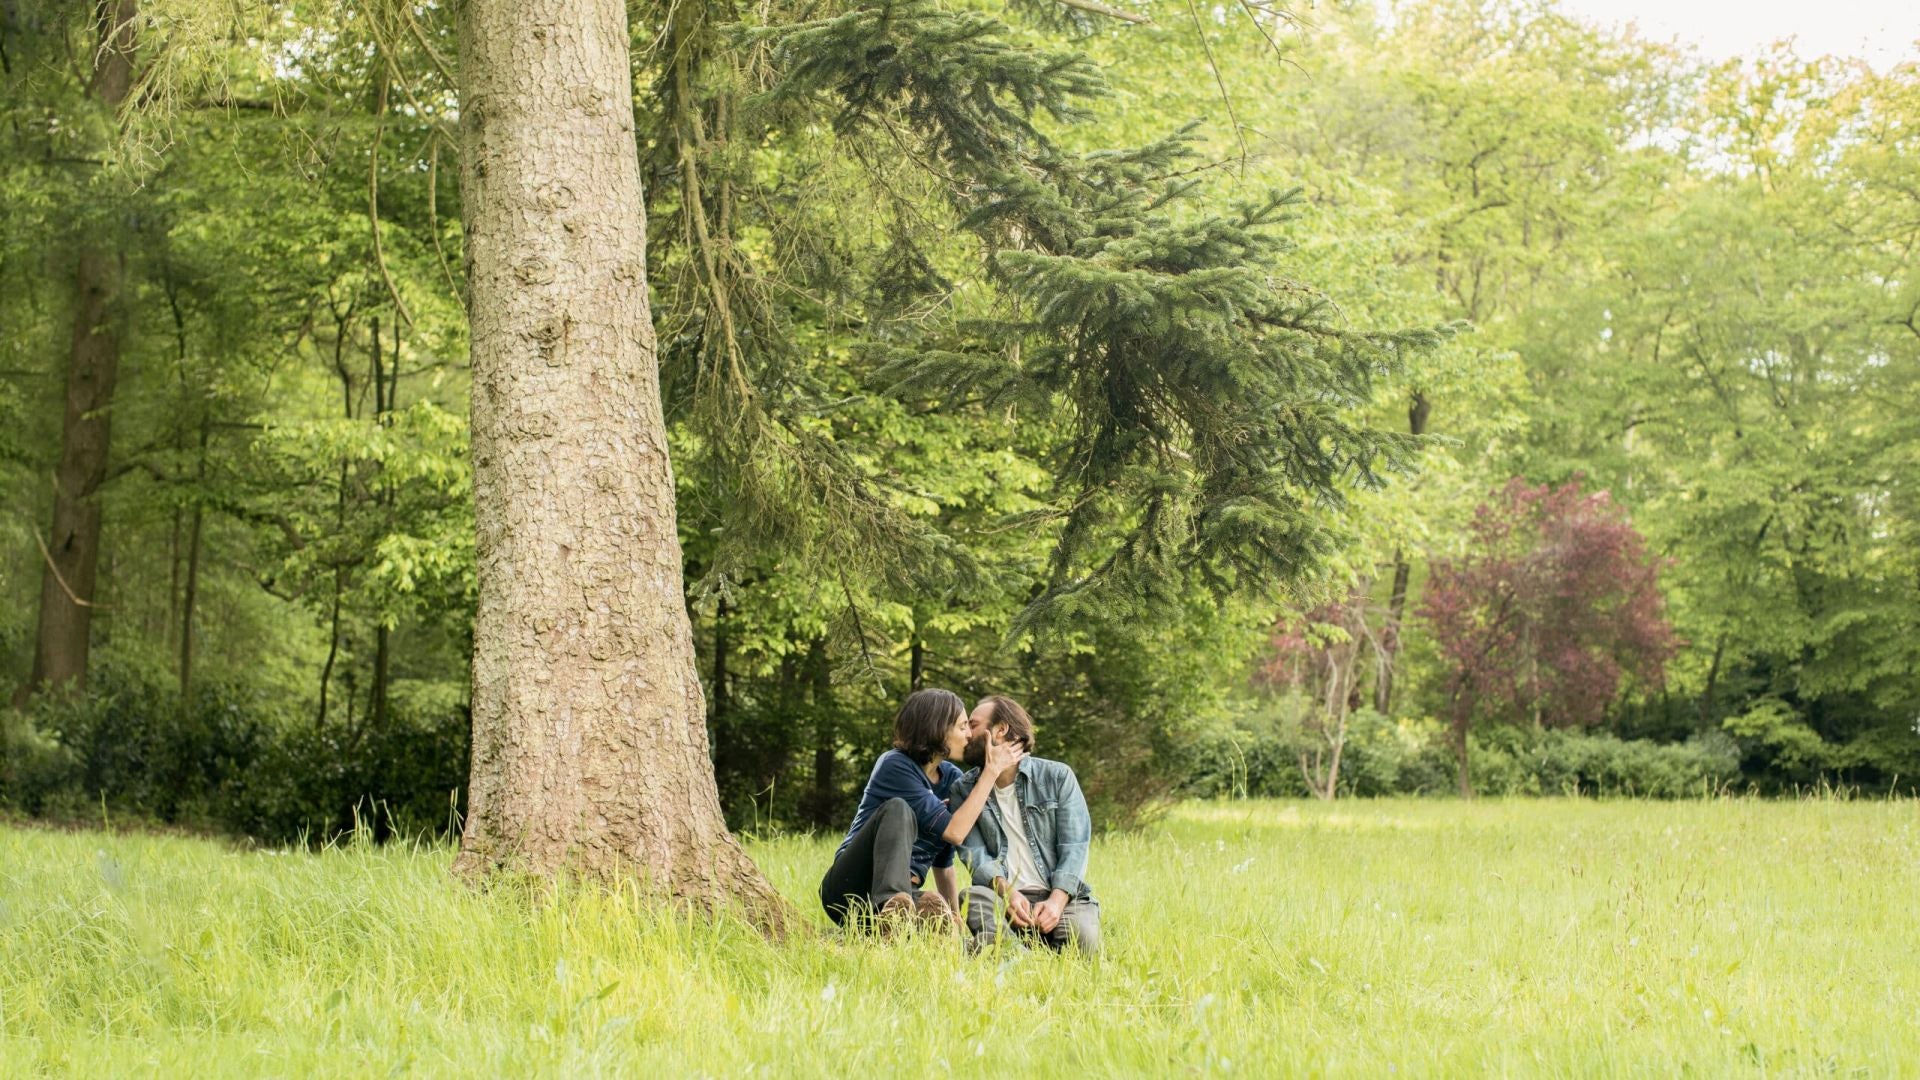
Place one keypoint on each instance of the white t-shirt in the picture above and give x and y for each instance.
(1022, 871)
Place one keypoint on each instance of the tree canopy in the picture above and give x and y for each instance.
(1012, 348)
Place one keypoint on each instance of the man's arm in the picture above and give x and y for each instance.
(1073, 833)
(1071, 839)
(947, 882)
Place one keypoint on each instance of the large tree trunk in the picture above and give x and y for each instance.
(589, 735)
(72, 554)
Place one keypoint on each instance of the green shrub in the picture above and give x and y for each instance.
(1384, 756)
(1251, 758)
(1497, 764)
(407, 778)
(1600, 764)
(230, 760)
(134, 749)
(33, 767)
(1258, 757)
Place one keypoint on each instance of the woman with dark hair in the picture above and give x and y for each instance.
(903, 831)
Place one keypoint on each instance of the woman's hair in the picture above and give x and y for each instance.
(920, 727)
(1005, 710)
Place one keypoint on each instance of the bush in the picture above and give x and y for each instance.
(32, 766)
(230, 760)
(1394, 757)
(1599, 764)
(133, 749)
(1257, 757)
(1497, 764)
(408, 778)
(1251, 758)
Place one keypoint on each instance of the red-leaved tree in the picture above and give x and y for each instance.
(1554, 603)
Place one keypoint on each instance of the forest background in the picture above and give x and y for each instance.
(1651, 328)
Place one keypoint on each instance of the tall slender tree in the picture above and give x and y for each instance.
(72, 554)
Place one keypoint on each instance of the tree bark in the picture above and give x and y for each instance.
(383, 498)
(377, 694)
(1458, 733)
(191, 594)
(823, 809)
(1333, 770)
(1418, 410)
(73, 552)
(333, 653)
(1713, 677)
(172, 622)
(589, 733)
(720, 676)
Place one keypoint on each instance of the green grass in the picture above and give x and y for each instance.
(1404, 937)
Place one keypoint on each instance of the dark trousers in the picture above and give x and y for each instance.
(875, 864)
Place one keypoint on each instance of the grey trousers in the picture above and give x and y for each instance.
(987, 919)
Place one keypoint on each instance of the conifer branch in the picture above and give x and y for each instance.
(1094, 7)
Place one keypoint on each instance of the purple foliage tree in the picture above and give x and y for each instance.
(1556, 601)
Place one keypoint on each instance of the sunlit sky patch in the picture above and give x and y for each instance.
(1881, 32)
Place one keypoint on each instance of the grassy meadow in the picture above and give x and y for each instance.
(1408, 938)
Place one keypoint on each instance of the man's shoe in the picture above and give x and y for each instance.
(933, 911)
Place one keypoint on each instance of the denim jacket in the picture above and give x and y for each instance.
(1058, 826)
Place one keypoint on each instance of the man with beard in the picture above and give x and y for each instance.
(1028, 851)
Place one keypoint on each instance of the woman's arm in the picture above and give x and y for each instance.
(968, 812)
(1000, 757)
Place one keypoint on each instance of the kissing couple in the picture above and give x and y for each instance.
(1018, 822)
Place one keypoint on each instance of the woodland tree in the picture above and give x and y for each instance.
(590, 743)
(1553, 603)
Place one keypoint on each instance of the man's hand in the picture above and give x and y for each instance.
(1047, 914)
(1019, 909)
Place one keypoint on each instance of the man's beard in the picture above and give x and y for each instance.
(975, 755)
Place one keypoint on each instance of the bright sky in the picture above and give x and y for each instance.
(1882, 32)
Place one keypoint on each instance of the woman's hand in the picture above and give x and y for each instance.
(1001, 756)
